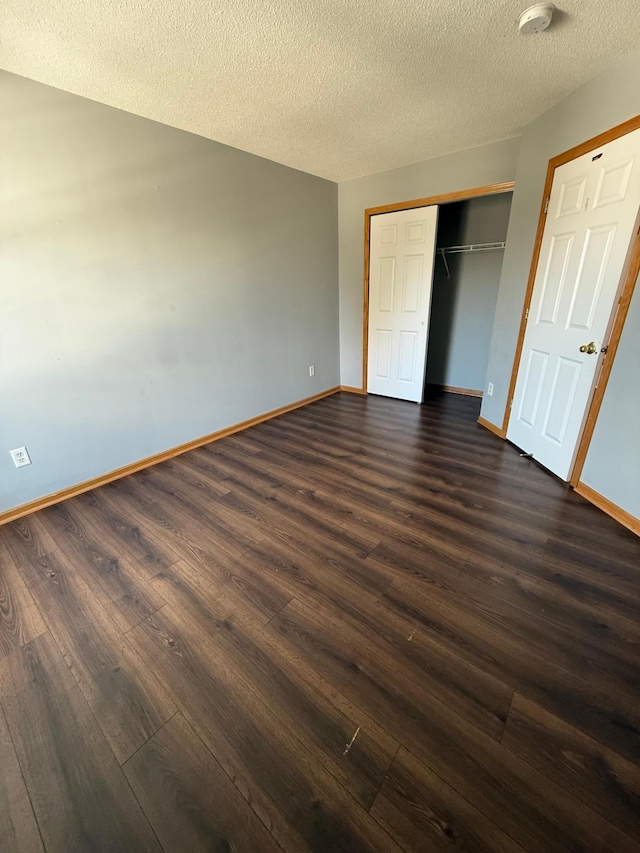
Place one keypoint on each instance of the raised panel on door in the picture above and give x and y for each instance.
(416, 232)
(590, 277)
(412, 284)
(408, 356)
(613, 182)
(383, 353)
(592, 216)
(389, 235)
(571, 194)
(386, 278)
(532, 386)
(561, 398)
(554, 277)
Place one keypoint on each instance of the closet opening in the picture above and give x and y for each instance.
(470, 242)
(404, 248)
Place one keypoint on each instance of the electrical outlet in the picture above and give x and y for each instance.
(490, 389)
(312, 370)
(20, 457)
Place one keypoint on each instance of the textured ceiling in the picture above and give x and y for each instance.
(338, 88)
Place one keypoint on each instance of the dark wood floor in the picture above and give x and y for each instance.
(363, 626)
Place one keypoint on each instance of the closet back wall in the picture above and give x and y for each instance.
(463, 306)
(156, 287)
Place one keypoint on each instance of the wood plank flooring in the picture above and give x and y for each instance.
(363, 626)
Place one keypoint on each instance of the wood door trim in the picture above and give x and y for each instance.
(491, 427)
(443, 198)
(79, 488)
(365, 302)
(458, 195)
(560, 160)
(620, 515)
(629, 282)
(351, 390)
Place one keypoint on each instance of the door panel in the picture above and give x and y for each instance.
(593, 212)
(561, 397)
(590, 277)
(407, 360)
(413, 273)
(571, 196)
(383, 353)
(402, 250)
(554, 278)
(532, 385)
(613, 183)
(388, 235)
(387, 278)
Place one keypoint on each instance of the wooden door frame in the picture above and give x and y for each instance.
(629, 277)
(459, 195)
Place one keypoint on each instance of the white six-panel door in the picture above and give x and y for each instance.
(401, 255)
(591, 217)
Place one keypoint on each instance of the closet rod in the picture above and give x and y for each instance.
(471, 247)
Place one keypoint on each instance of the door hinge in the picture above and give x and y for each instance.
(526, 314)
(546, 206)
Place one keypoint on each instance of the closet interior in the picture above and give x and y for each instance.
(470, 247)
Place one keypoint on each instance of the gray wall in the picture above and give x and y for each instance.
(604, 102)
(612, 466)
(155, 287)
(485, 165)
(463, 306)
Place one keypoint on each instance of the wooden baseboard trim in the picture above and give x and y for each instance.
(620, 515)
(452, 389)
(87, 485)
(496, 430)
(351, 390)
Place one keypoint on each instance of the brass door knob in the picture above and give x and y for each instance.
(590, 349)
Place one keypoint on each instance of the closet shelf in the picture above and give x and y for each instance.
(470, 247)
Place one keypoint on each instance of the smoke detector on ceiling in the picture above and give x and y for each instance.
(536, 18)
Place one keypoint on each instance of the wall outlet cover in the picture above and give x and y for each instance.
(20, 457)
(490, 389)
(312, 370)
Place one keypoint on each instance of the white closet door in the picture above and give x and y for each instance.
(401, 255)
(591, 218)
